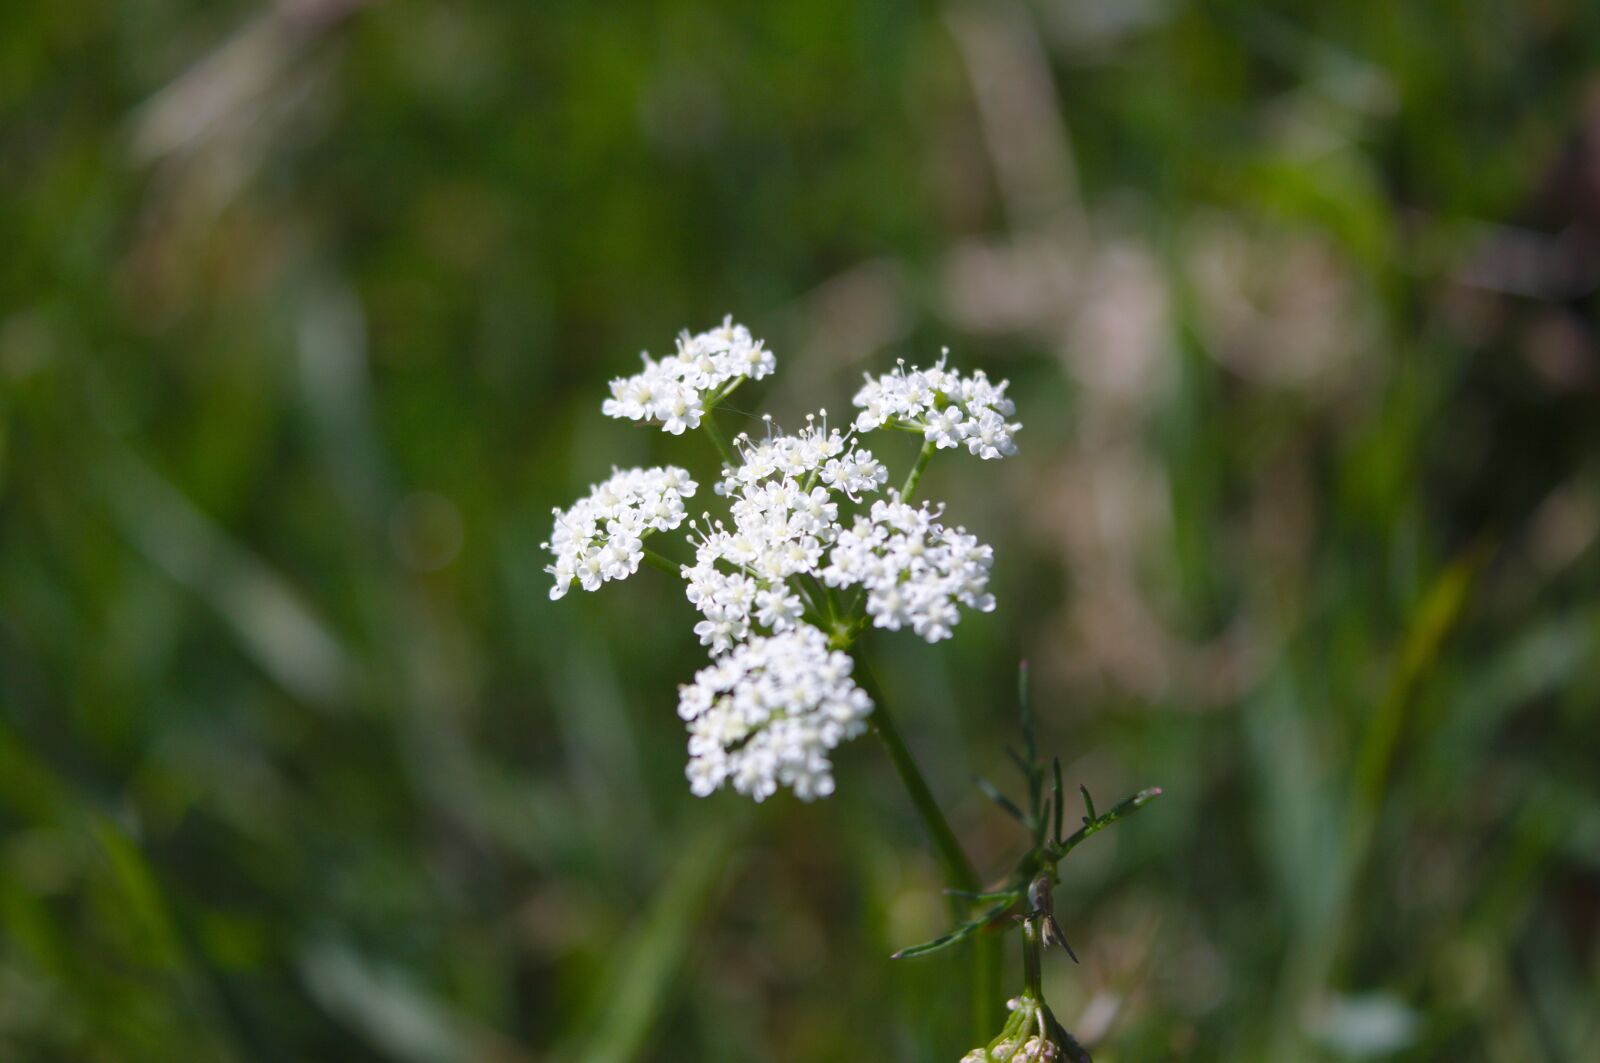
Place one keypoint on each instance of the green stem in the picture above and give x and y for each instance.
(716, 399)
(827, 601)
(924, 456)
(958, 871)
(708, 423)
(665, 564)
(1032, 976)
(799, 585)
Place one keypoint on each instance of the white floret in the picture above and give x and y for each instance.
(813, 452)
(783, 514)
(674, 391)
(949, 409)
(915, 570)
(768, 714)
(601, 537)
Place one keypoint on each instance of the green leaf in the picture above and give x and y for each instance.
(992, 792)
(1060, 803)
(1025, 699)
(960, 933)
(1122, 808)
(1009, 896)
(1020, 761)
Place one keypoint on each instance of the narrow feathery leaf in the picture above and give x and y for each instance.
(993, 793)
(1121, 808)
(1060, 803)
(960, 933)
(1009, 896)
(1020, 761)
(1025, 698)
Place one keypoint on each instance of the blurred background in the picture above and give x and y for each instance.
(306, 313)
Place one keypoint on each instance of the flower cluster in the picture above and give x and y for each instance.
(914, 569)
(812, 547)
(815, 453)
(769, 713)
(676, 391)
(948, 409)
(784, 499)
(602, 536)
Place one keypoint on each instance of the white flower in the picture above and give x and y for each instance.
(948, 409)
(784, 498)
(914, 569)
(779, 608)
(602, 536)
(832, 456)
(777, 697)
(674, 391)
(944, 427)
(729, 351)
(725, 599)
(769, 713)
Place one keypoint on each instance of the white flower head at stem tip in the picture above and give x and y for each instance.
(949, 409)
(808, 513)
(601, 537)
(768, 714)
(784, 499)
(674, 391)
(915, 570)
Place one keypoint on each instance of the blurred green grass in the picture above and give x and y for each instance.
(306, 311)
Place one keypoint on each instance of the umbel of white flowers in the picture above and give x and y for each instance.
(813, 546)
